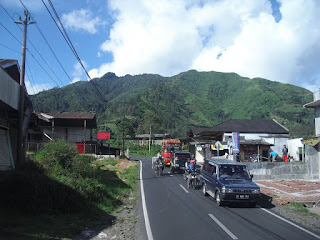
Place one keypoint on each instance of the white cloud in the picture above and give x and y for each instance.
(82, 20)
(168, 37)
(78, 72)
(34, 89)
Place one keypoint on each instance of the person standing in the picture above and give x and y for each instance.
(285, 153)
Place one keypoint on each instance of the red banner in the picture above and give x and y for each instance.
(103, 135)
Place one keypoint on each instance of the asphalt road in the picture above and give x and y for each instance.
(175, 212)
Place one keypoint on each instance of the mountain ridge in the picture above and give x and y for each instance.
(172, 104)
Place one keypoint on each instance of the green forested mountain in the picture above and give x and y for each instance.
(172, 104)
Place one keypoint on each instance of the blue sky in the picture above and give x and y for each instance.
(274, 39)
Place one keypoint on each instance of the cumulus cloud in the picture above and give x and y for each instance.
(82, 20)
(168, 37)
(78, 72)
(34, 89)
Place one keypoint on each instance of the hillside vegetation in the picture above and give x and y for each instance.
(173, 104)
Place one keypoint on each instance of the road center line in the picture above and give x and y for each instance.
(223, 227)
(144, 207)
(291, 223)
(184, 188)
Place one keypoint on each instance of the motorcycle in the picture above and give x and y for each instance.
(159, 169)
(194, 180)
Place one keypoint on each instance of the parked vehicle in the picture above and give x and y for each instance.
(228, 181)
(169, 146)
(179, 161)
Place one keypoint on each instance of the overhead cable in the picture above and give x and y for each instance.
(67, 39)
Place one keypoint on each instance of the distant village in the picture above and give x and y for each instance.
(257, 138)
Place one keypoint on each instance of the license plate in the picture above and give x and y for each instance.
(242, 196)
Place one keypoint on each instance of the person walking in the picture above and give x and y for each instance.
(285, 153)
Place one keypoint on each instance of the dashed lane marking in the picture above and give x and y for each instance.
(184, 189)
(223, 227)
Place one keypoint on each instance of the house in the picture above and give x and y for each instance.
(9, 113)
(156, 139)
(312, 145)
(256, 137)
(74, 128)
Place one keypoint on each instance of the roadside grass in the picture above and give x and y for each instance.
(301, 208)
(59, 193)
(143, 151)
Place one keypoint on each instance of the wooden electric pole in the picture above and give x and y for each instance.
(21, 145)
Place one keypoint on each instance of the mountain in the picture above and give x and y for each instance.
(172, 104)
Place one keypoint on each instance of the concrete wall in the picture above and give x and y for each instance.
(287, 171)
(278, 145)
(9, 91)
(293, 148)
(70, 134)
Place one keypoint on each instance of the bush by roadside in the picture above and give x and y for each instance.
(59, 192)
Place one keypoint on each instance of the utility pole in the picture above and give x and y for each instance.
(21, 145)
(150, 141)
(123, 155)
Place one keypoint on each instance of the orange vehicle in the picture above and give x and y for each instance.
(169, 146)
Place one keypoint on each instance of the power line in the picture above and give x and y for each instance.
(43, 68)
(32, 46)
(30, 54)
(31, 79)
(10, 48)
(25, 8)
(67, 39)
(11, 34)
(46, 41)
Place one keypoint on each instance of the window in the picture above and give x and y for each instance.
(214, 169)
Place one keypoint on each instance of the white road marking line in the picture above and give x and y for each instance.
(184, 188)
(223, 227)
(291, 223)
(144, 207)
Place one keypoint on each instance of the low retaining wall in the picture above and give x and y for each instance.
(309, 170)
(284, 171)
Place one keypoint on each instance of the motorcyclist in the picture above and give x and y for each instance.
(160, 162)
(159, 154)
(191, 168)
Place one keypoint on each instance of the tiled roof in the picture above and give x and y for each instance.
(201, 130)
(243, 126)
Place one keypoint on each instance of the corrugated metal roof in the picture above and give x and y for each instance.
(313, 104)
(66, 115)
(4, 63)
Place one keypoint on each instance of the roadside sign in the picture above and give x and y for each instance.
(103, 135)
(235, 143)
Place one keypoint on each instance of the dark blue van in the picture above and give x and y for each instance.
(228, 181)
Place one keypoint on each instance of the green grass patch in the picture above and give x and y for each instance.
(299, 207)
(59, 193)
